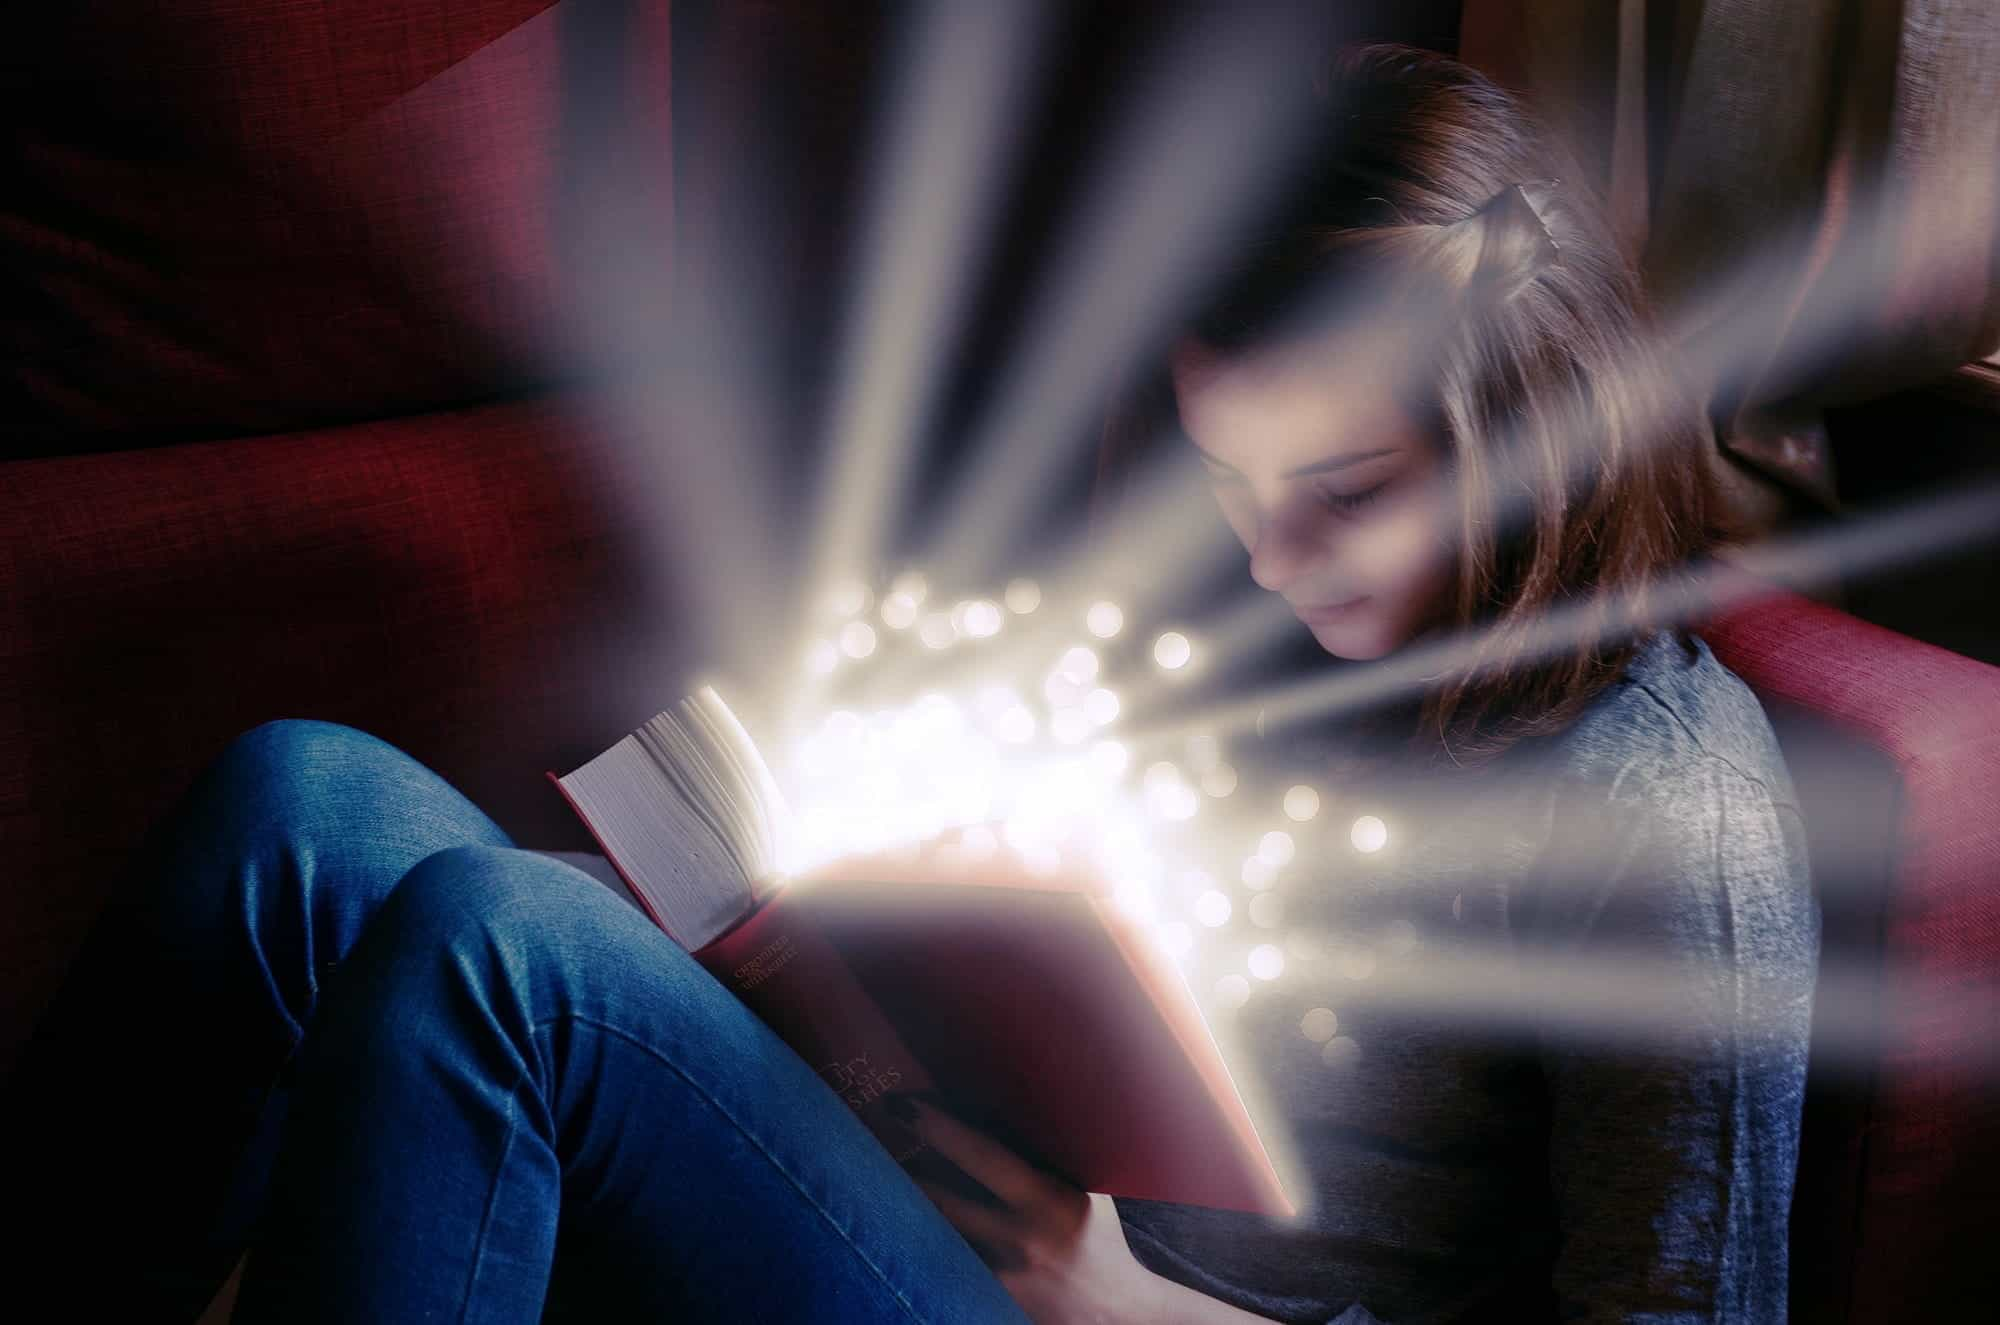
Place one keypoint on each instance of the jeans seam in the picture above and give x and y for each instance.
(492, 1197)
(909, 1309)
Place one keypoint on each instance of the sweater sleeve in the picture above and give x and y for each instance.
(1673, 941)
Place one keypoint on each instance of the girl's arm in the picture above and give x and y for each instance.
(1674, 1130)
(1061, 1252)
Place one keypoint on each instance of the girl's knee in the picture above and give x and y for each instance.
(286, 746)
(303, 780)
(501, 892)
(540, 916)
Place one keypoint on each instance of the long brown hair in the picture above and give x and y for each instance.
(1441, 204)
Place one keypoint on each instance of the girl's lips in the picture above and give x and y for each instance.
(1327, 613)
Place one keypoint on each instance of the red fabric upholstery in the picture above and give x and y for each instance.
(1896, 748)
(220, 218)
(457, 583)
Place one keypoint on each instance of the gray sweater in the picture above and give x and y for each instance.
(1571, 1001)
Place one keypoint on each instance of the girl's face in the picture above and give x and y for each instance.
(1332, 485)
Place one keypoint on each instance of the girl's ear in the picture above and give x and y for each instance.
(1513, 242)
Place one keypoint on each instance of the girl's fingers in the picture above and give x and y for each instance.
(996, 1168)
(985, 1226)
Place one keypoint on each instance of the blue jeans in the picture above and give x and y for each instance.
(424, 1075)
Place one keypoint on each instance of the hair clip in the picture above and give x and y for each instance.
(1515, 243)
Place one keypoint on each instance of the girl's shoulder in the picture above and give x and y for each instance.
(1676, 706)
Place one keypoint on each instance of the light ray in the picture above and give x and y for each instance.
(1874, 545)
(950, 128)
(1198, 151)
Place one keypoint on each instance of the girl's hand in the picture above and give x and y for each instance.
(1058, 1250)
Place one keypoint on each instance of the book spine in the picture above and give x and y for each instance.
(784, 970)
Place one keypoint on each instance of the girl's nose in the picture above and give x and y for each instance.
(1285, 544)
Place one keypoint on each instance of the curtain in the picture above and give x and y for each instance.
(1811, 189)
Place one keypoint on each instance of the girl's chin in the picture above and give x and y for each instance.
(1355, 641)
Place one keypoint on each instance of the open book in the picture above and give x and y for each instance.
(1031, 1003)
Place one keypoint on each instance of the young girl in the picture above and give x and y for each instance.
(1572, 1006)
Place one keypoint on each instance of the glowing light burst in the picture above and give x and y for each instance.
(1011, 755)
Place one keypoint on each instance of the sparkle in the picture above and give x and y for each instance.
(1369, 834)
(1319, 1025)
(1022, 596)
(993, 700)
(899, 611)
(1070, 726)
(1232, 991)
(1016, 726)
(1176, 802)
(1078, 665)
(1276, 847)
(1212, 908)
(982, 618)
(1172, 650)
(1104, 619)
(1110, 759)
(857, 639)
(1101, 706)
(1266, 962)
(1219, 781)
(936, 630)
(1061, 689)
(847, 599)
(1301, 803)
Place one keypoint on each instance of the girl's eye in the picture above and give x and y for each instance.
(1347, 502)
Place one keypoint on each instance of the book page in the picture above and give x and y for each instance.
(687, 810)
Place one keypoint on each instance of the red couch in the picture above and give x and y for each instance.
(282, 439)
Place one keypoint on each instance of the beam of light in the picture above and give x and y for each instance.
(1197, 153)
(673, 333)
(1632, 1001)
(949, 127)
(1256, 621)
(1715, 337)
(1874, 545)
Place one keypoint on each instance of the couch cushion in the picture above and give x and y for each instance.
(220, 218)
(1896, 748)
(460, 584)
